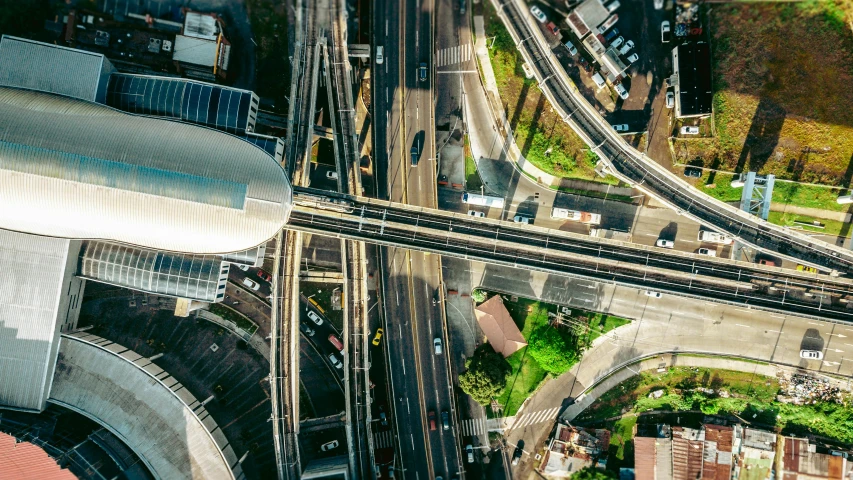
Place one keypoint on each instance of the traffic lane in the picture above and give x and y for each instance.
(408, 414)
(386, 88)
(321, 334)
(237, 275)
(322, 385)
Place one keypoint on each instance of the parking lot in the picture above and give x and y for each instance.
(643, 79)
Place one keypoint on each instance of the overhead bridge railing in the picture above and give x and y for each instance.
(643, 173)
(570, 254)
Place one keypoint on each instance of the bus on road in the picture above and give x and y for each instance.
(482, 200)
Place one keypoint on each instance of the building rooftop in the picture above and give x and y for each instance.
(25, 461)
(158, 419)
(149, 182)
(693, 91)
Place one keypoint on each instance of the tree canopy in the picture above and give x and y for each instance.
(485, 375)
(555, 349)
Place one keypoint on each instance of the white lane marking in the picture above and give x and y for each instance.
(408, 407)
(744, 326)
(417, 112)
(413, 440)
(416, 39)
(397, 292)
(386, 28)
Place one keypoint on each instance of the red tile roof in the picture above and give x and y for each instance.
(25, 461)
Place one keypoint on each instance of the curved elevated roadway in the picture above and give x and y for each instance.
(570, 254)
(634, 168)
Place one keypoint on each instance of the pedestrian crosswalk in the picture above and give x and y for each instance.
(481, 426)
(454, 55)
(383, 439)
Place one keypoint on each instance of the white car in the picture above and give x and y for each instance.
(315, 318)
(621, 127)
(251, 284)
(620, 89)
(329, 446)
(670, 99)
(707, 252)
(437, 344)
(653, 294)
(619, 40)
(665, 31)
(521, 219)
(335, 362)
(538, 14)
(658, 4)
(665, 243)
(572, 50)
(475, 213)
(332, 175)
(811, 354)
(242, 267)
(627, 47)
(633, 58)
(687, 130)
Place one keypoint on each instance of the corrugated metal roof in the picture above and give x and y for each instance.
(196, 277)
(34, 270)
(644, 458)
(25, 461)
(51, 68)
(196, 51)
(57, 198)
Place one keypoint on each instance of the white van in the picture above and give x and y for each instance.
(714, 237)
(598, 80)
(380, 55)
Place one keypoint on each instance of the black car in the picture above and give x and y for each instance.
(383, 419)
(585, 64)
(415, 155)
(693, 172)
(445, 420)
(612, 34)
(306, 329)
(516, 455)
(422, 72)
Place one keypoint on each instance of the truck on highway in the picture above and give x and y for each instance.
(482, 200)
(611, 234)
(714, 237)
(576, 216)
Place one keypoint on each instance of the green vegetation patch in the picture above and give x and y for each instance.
(749, 396)
(543, 137)
(234, 317)
(322, 294)
(472, 178)
(811, 196)
(782, 103)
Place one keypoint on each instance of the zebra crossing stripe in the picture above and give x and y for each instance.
(454, 55)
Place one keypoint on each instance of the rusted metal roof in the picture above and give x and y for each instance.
(644, 458)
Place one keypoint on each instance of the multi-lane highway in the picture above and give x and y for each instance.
(632, 167)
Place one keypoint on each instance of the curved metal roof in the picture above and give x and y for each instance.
(76, 169)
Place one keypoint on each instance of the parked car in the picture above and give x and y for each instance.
(599, 80)
(553, 29)
(619, 40)
(611, 34)
(437, 344)
(334, 340)
(422, 72)
(332, 175)
(658, 4)
(263, 275)
(608, 24)
(378, 336)
(475, 213)
(622, 127)
(521, 219)
(383, 418)
(769, 263)
(306, 329)
(538, 14)
(329, 445)
(613, 6)
(633, 58)
(689, 130)
(445, 420)
(670, 99)
(693, 172)
(653, 294)
(805, 268)
(242, 267)
(627, 47)
(665, 33)
(251, 284)
(620, 89)
(516, 455)
(811, 354)
(315, 318)
(431, 417)
(707, 252)
(584, 63)
(469, 450)
(333, 358)
(665, 243)
(572, 50)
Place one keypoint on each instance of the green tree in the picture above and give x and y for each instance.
(485, 374)
(592, 473)
(554, 349)
(478, 295)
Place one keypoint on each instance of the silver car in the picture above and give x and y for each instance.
(811, 354)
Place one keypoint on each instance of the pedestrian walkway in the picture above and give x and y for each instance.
(454, 55)
(480, 426)
(533, 418)
(383, 439)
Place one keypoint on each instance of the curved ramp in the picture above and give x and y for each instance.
(144, 406)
